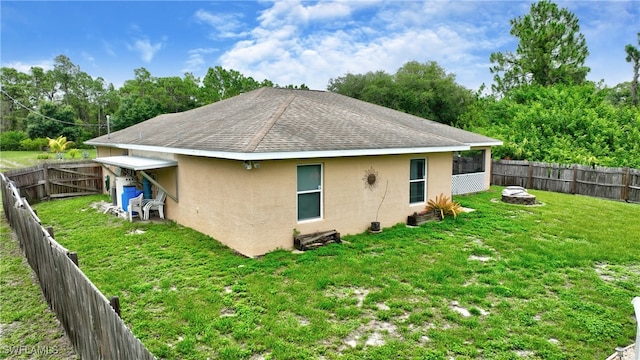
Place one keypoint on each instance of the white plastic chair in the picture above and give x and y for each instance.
(135, 204)
(154, 204)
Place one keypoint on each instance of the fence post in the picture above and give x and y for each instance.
(47, 190)
(574, 184)
(74, 257)
(115, 304)
(626, 183)
(530, 176)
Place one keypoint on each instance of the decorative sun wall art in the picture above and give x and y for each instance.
(370, 178)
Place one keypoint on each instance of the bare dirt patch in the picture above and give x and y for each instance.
(374, 333)
(611, 272)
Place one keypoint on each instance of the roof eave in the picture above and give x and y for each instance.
(486, 143)
(254, 156)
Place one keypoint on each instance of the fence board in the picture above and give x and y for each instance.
(54, 180)
(603, 182)
(93, 327)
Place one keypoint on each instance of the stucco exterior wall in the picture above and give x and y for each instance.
(215, 198)
(254, 211)
(488, 162)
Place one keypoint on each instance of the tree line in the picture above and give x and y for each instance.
(540, 103)
(66, 101)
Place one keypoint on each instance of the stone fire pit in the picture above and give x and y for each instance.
(517, 195)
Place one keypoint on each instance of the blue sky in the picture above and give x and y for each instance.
(294, 42)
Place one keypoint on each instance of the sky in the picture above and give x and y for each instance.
(294, 42)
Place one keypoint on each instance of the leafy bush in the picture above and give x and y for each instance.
(44, 156)
(37, 144)
(10, 140)
(561, 123)
(444, 205)
(74, 153)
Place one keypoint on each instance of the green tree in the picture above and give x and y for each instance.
(43, 85)
(633, 56)
(220, 83)
(135, 109)
(560, 123)
(551, 50)
(15, 99)
(424, 90)
(65, 73)
(52, 119)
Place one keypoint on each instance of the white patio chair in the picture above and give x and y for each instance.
(154, 204)
(135, 204)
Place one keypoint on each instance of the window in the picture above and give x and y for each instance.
(468, 162)
(309, 192)
(417, 181)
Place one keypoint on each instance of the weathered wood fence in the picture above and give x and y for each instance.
(89, 320)
(51, 180)
(603, 182)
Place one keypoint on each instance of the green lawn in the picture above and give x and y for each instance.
(10, 160)
(29, 329)
(553, 281)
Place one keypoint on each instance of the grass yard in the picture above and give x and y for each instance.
(28, 329)
(10, 160)
(504, 282)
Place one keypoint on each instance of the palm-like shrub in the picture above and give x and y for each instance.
(444, 205)
(59, 144)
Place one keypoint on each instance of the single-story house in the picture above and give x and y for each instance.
(252, 170)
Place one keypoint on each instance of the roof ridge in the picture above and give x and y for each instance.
(259, 136)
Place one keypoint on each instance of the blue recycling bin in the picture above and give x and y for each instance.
(129, 192)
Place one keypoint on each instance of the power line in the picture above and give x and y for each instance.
(39, 114)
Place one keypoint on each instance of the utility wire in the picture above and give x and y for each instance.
(39, 114)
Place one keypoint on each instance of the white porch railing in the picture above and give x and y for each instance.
(467, 183)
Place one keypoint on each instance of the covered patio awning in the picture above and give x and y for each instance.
(136, 163)
(140, 164)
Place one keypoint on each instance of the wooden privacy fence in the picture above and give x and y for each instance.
(89, 320)
(603, 182)
(51, 180)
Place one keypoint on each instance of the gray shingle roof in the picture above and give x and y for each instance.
(270, 120)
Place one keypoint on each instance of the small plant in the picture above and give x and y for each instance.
(74, 153)
(59, 145)
(444, 205)
(42, 156)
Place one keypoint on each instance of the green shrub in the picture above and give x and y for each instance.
(74, 153)
(10, 140)
(44, 156)
(37, 144)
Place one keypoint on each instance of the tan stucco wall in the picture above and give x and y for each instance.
(254, 211)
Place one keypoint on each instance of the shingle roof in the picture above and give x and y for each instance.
(270, 120)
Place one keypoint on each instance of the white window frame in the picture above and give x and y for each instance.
(320, 190)
(423, 180)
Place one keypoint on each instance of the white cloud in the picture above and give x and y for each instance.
(283, 50)
(196, 59)
(26, 67)
(300, 42)
(224, 25)
(145, 49)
